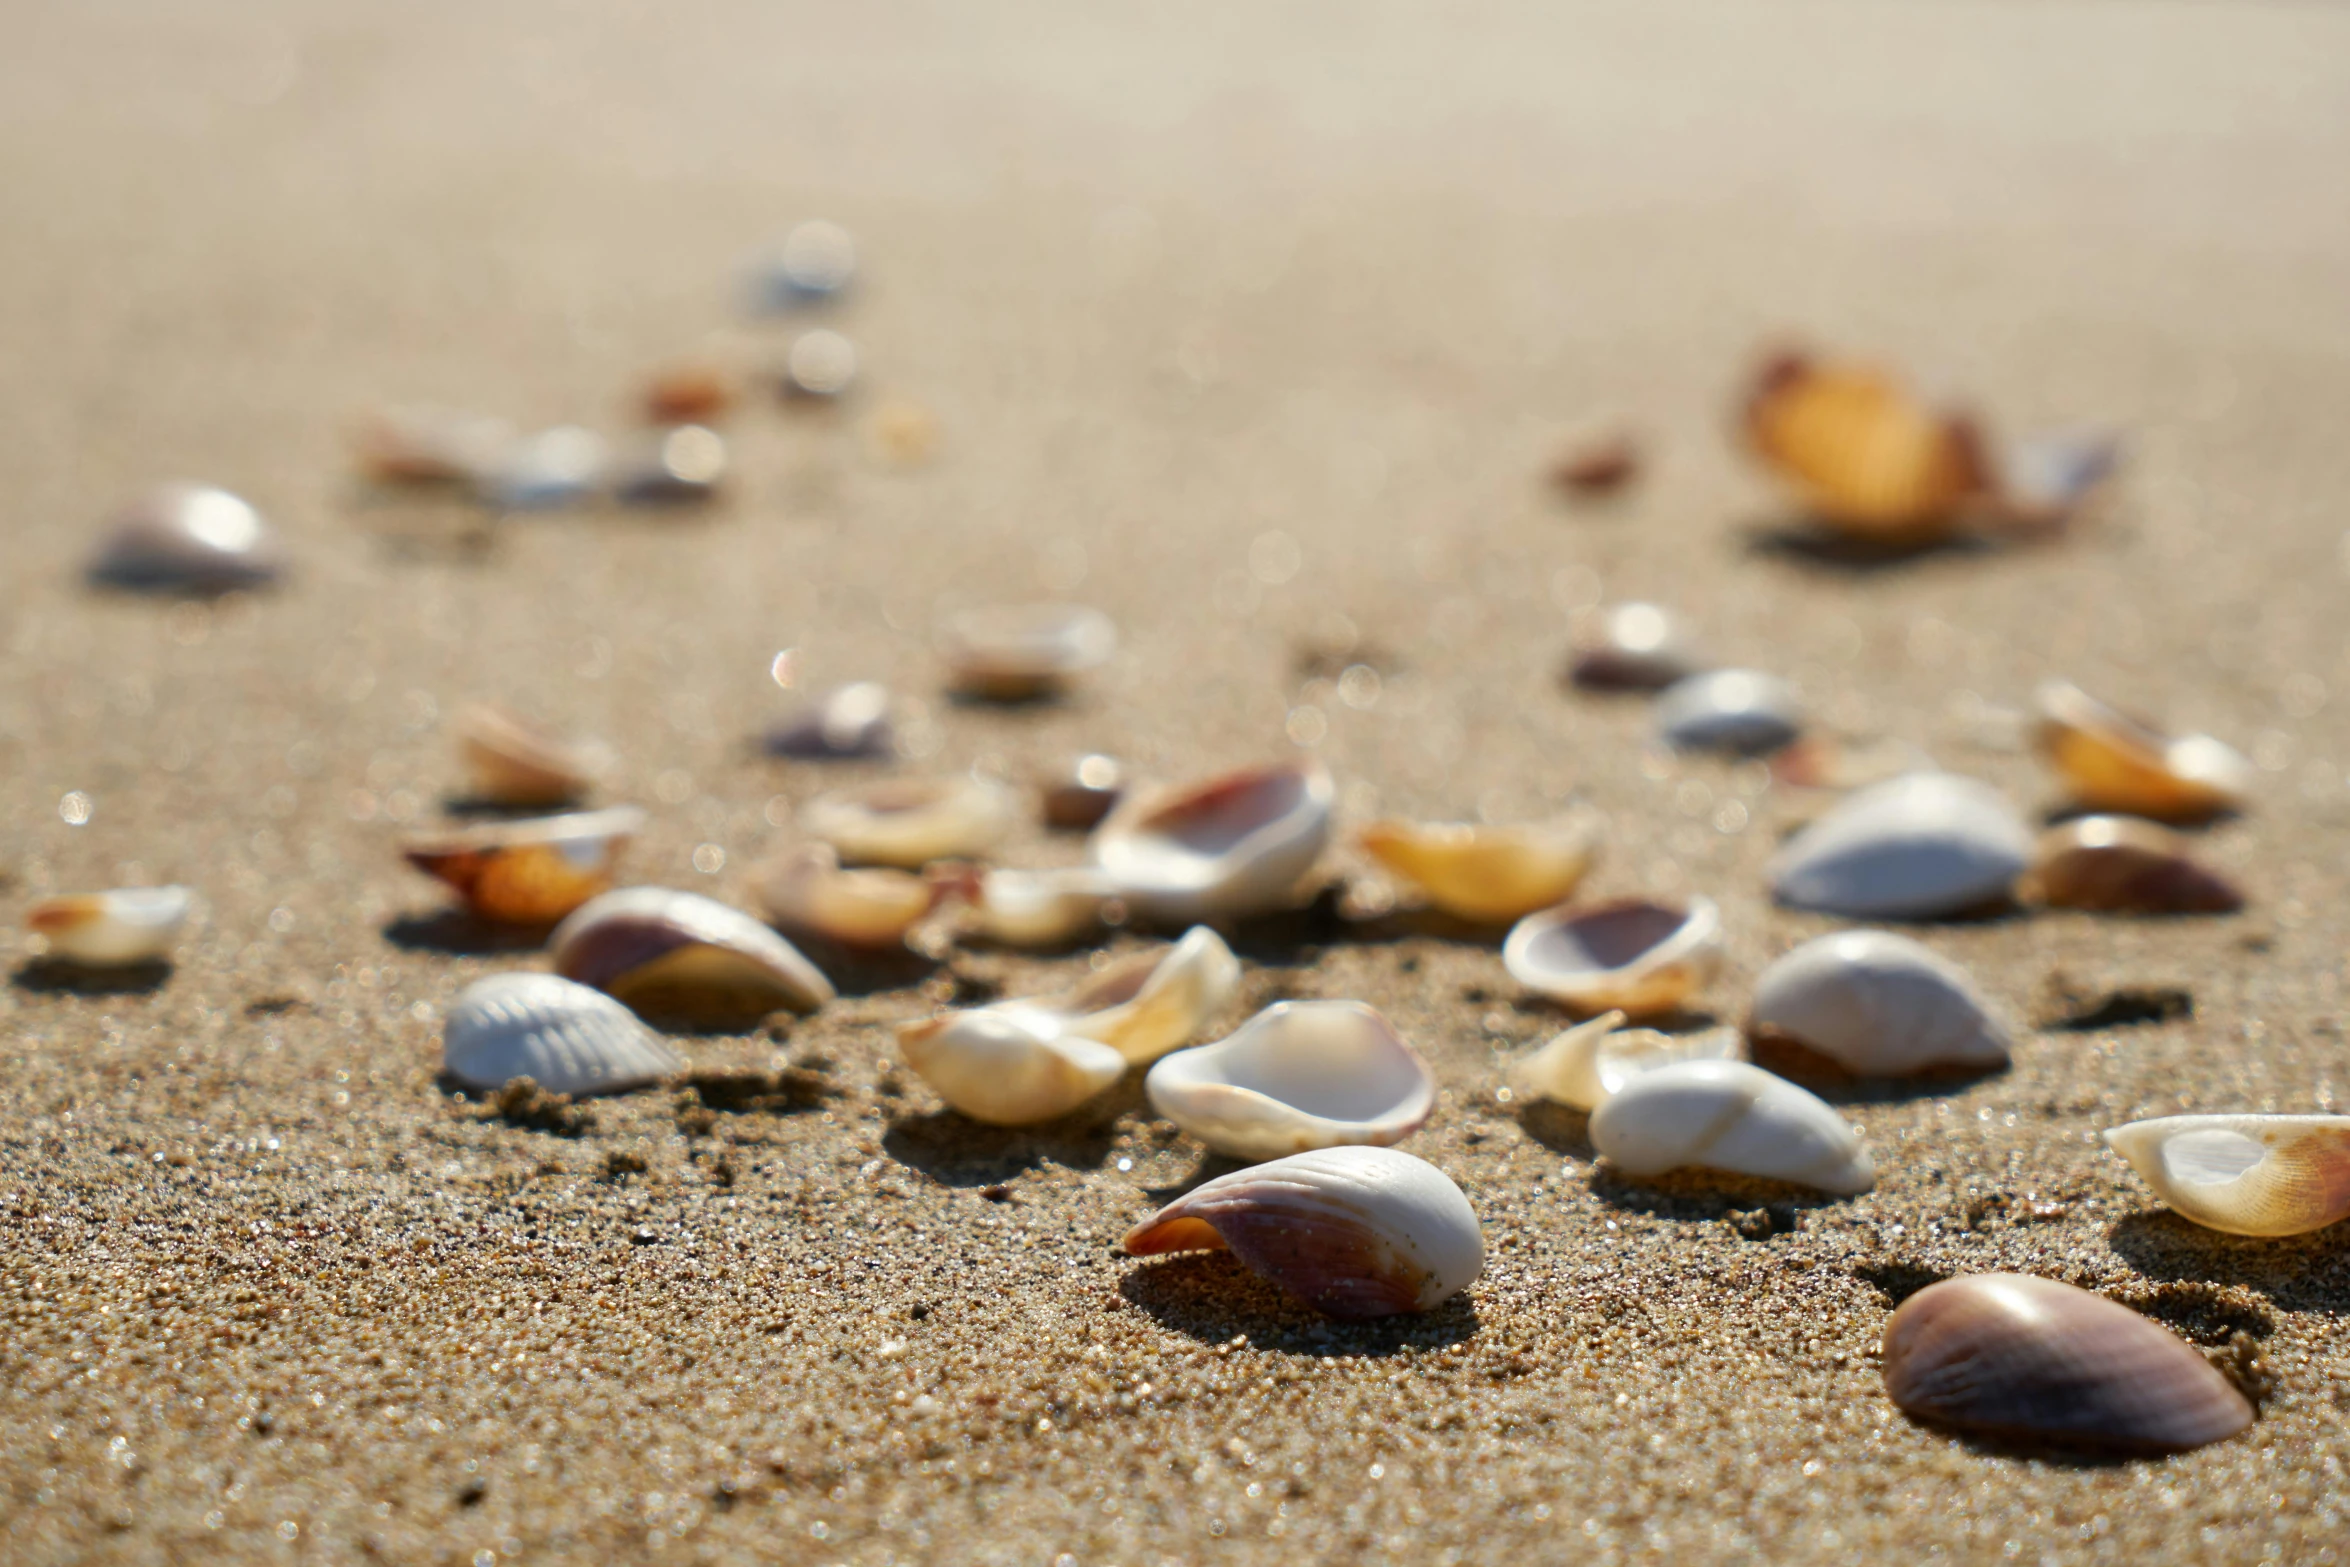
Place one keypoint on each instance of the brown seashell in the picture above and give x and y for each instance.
(1598, 466)
(1633, 647)
(1089, 792)
(690, 394)
(2123, 865)
(2019, 1357)
(529, 872)
(679, 955)
(1868, 456)
(512, 761)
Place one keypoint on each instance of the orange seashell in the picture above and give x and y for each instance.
(529, 872)
(690, 394)
(1868, 456)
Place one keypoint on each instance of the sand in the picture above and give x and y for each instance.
(1256, 329)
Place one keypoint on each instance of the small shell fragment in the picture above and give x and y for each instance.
(1350, 1232)
(1488, 874)
(531, 872)
(1298, 1075)
(1878, 1005)
(187, 538)
(1630, 956)
(1226, 848)
(2245, 1174)
(1149, 1004)
(2113, 762)
(558, 467)
(680, 955)
(1015, 652)
(561, 1035)
(1921, 846)
(909, 823)
(1009, 1066)
(2020, 1357)
(118, 929)
(1598, 466)
(822, 365)
(2045, 479)
(808, 893)
(430, 446)
(689, 394)
(678, 466)
(814, 262)
(1585, 1066)
(511, 761)
(1729, 1115)
(1634, 647)
(846, 724)
(1865, 454)
(1078, 802)
(2124, 865)
(1035, 908)
(1742, 712)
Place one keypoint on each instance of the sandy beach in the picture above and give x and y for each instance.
(1257, 328)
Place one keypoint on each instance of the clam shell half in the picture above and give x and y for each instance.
(189, 539)
(117, 929)
(1867, 455)
(910, 823)
(1009, 1066)
(1742, 712)
(680, 955)
(1489, 875)
(1583, 1067)
(2124, 865)
(1634, 647)
(1298, 1075)
(563, 1036)
(1232, 846)
(1631, 956)
(1922, 846)
(809, 893)
(2111, 761)
(530, 872)
(2245, 1174)
(1728, 1115)
(1012, 651)
(511, 761)
(1879, 1005)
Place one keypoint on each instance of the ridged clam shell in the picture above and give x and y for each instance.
(1011, 651)
(1153, 1002)
(681, 955)
(910, 823)
(2245, 1174)
(1233, 846)
(1350, 1232)
(1867, 455)
(563, 1036)
(1583, 1067)
(187, 538)
(1035, 908)
(2111, 761)
(1922, 846)
(1487, 874)
(1298, 1075)
(511, 761)
(2020, 1357)
(1739, 711)
(850, 723)
(808, 892)
(1009, 1066)
(1728, 1115)
(116, 929)
(2124, 865)
(529, 872)
(1630, 956)
(1878, 1005)
(1634, 647)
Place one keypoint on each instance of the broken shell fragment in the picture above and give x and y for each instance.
(1740, 711)
(1298, 1075)
(531, 872)
(2245, 1174)
(822, 365)
(850, 723)
(1598, 465)
(1009, 1066)
(1631, 956)
(187, 538)
(689, 394)
(1878, 1005)
(512, 761)
(1035, 908)
(2124, 865)
(117, 929)
(809, 893)
(1729, 1115)
(1585, 1066)
(670, 954)
(1491, 875)
(1634, 647)
(558, 467)
(2044, 479)
(1350, 1232)
(430, 446)
(1013, 652)
(815, 261)
(1232, 846)
(1867, 456)
(561, 1035)
(1149, 1004)
(2020, 1357)
(1078, 802)
(909, 823)
(1921, 846)
(677, 466)
(2114, 762)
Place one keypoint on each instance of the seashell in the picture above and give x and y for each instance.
(2043, 480)
(1739, 711)
(1867, 456)
(1078, 802)
(2113, 762)
(822, 364)
(909, 824)
(2015, 1356)
(1583, 1067)
(1298, 1075)
(187, 538)
(1921, 846)
(1729, 1115)
(1350, 1232)
(561, 1035)
(1012, 652)
(2245, 1174)
(1634, 647)
(690, 394)
(530, 872)
(1491, 875)
(809, 893)
(1035, 908)
(677, 466)
(815, 261)
(2124, 865)
(511, 761)
(558, 467)
(1009, 1065)
(1234, 845)
(1150, 1004)
(1630, 956)
(849, 723)
(1599, 465)
(118, 929)
(431, 446)
(1878, 1005)
(680, 955)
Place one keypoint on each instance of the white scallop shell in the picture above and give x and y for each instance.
(2245, 1174)
(1353, 1232)
(1641, 958)
(911, 823)
(116, 929)
(684, 949)
(1741, 711)
(1036, 908)
(188, 538)
(1010, 1065)
(1018, 650)
(1728, 1115)
(1225, 848)
(1917, 847)
(1879, 1005)
(563, 1036)
(808, 892)
(1583, 1067)
(1298, 1075)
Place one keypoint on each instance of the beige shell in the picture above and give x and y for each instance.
(1584, 1066)
(116, 929)
(2245, 1174)
(1034, 908)
(1010, 652)
(1298, 1075)
(910, 823)
(1151, 1003)
(1633, 647)
(189, 539)
(512, 761)
(430, 446)
(530, 872)
(808, 892)
(2113, 762)
(1491, 875)
(1879, 1005)
(1636, 957)
(1228, 847)
(1009, 1066)
(2123, 865)
(680, 955)
(1728, 1115)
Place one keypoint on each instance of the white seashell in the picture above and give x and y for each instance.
(117, 929)
(1013, 651)
(431, 446)
(1009, 1065)
(1740, 711)
(1918, 847)
(1351, 1232)
(1634, 647)
(1150, 1004)
(2114, 762)
(851, 722)
(1583, 1067)
(808, 892)
(910, 824)
(512, 761)
(1047, 908)
(2043, 479)
(815, 261)
(2245, 1174)
(679, 954)
(1879, 1005)
(187, 538)
(557, 467)
(1298, 1075)
(1232, 846)
(1640, 958)
(563, 1036)
(821, 364)
(1728, 1115)
(682, 464)
(1491, 875)
(529, 872)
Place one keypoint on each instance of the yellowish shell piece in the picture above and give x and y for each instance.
(2245, 1174)
(2113, 762)
(1491, 875)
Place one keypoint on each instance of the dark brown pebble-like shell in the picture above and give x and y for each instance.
(2123, 865)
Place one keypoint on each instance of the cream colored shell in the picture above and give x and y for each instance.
(1728, 1115)
(1298, 1075)
(1487, 874)
(1584, 1066)
(116, 929)
(1225, 848)
(1009, 1066)
(2245, 1174)
(910, 824)
(808, 892)
(1635, 957)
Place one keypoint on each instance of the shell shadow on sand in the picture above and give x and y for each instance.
(460, 933)
(2298, 1273)
(50, 977)
(1209, 1297)
(1709, 1196)
(1806, 542)
(954, 1150)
